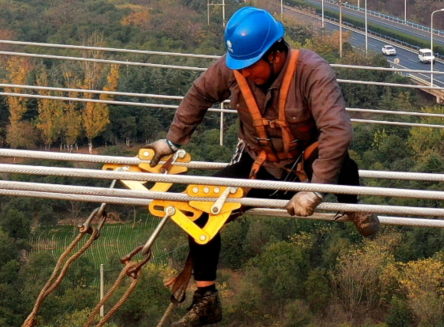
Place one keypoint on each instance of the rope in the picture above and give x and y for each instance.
(111, 291)
(51, 284)
(166, 315)
(132, 269)
(168, 312)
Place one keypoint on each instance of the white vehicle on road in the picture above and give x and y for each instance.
(425, 55)
(388, 50)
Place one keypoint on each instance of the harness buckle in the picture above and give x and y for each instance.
(293, 145)
(263, 141)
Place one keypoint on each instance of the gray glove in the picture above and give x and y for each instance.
(303, 203)
(161, 148)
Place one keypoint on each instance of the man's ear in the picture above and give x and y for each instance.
(275, 57)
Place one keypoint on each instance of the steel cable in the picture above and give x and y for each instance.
(204, 180)
(335, 207)
(76, 157)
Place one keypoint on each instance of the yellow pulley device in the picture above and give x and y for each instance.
(185, 213)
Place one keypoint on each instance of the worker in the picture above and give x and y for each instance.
(289, 103)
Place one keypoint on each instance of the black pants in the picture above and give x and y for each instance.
(206, 257)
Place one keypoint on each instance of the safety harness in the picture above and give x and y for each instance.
(291, 150)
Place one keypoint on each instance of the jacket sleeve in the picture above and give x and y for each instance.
(211, 87)
(327, 105)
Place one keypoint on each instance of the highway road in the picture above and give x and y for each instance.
(405, 28)
(408, 57)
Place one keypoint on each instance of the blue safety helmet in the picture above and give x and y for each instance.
(250, 32)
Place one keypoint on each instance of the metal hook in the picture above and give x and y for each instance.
(169, 211)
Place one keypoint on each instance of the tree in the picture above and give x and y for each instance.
(50, 112)
(19, 133)
(16, 224)
(72, 118)
(424, 139)
(423, 283)
(363, 275)
(283, 270)
(96, 115)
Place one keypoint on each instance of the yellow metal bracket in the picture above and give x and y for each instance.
(168, 167)
(186, 213)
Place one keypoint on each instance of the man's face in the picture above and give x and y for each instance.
(259, 72)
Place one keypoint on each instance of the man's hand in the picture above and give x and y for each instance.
(161, 148)
(303, 203)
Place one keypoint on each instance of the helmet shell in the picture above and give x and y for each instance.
(250, 32)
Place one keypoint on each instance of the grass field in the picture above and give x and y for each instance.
(116, 239)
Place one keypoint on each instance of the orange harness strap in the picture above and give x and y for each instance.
(259, 122)
(287, 136)
(256, 115)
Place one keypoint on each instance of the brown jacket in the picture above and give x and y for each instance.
(315, 110)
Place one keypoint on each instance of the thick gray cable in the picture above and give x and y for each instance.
(29, 154)
(122, 103)
(130, 63)
(82, 47)
(166, 106)
(390, 84)
(67, 46)
(385, 220)
(247, 183)
(394, 123)
(104, 61)
(390, 112)
(65, 89)
(173, 97)
(335, 207)
(78, 157)
(99, 191)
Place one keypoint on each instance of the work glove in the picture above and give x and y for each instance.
(303, 203)
(162, 147)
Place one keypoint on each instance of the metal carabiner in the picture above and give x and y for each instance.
(239, 151)
(99, 212)
(127, 259)
(86, 226)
